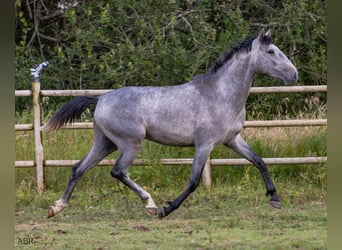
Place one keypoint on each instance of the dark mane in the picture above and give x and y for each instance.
(245, 46)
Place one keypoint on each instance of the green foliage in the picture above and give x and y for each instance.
(110, 44)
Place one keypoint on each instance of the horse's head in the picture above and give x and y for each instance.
(270, 60)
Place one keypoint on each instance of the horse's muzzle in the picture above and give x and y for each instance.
(291, 78)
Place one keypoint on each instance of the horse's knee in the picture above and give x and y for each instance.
(117, 173)
(114, 173)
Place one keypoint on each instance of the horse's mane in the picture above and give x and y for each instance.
(244, 46)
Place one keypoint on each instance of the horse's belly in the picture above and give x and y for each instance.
(173, 136)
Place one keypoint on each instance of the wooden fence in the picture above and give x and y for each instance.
(40, 162)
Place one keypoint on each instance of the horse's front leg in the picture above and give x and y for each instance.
(201, 156)
(243, 149)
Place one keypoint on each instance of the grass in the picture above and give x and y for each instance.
(233, 214)
(224, 217)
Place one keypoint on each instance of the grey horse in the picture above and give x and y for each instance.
(205, 112)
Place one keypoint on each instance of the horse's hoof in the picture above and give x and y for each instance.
(152, 210)
(51, 213)
(275, 204)
(161, 213)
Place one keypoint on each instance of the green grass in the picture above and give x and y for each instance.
(224, 217)
(233, 214)
(276, 142)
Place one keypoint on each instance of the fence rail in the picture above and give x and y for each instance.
(248, 124)
(183, 161)
(40, 162)
(263, 90)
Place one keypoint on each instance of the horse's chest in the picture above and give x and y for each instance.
(231, 125)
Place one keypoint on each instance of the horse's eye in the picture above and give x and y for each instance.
(270, 51)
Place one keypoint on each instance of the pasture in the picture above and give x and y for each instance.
(233, 214)
(222, 218)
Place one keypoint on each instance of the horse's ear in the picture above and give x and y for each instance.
(264, 36)
(264, 33)
(268, 33)
(261, 35)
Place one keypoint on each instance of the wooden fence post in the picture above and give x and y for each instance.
(39, 151)
(206, 175)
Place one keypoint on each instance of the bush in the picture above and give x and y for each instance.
(110, 44)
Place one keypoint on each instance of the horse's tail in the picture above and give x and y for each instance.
(69, 112)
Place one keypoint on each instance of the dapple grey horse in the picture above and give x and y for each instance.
(205, 112)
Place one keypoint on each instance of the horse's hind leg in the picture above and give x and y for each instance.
(243, 149)
(120, 171)
(101, 148)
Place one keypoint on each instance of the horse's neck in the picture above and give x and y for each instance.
(235, 79)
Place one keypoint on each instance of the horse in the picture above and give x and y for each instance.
(205, 112)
